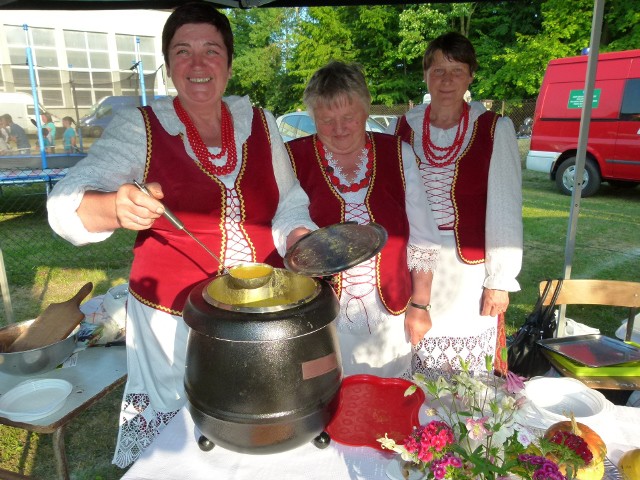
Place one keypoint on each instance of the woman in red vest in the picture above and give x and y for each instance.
(220, 165)
(350, 174)
(470, 168)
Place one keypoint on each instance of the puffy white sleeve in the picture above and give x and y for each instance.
(116, 158)
(503, 230)
(424, 238)
(293, 207)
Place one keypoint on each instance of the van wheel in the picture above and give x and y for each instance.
(565, 177)
(96, 132)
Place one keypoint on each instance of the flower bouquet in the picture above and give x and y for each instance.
(477, 432)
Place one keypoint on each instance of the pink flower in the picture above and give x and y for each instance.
(514, 383)
(476, 428)
(439, 472)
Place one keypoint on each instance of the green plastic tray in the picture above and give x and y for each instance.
(630, 369)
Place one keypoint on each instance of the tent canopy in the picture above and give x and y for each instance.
(170, 4)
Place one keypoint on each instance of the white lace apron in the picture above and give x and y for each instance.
(458, 329)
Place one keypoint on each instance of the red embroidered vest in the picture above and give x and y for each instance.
(385, 202)
(469, 187)
(167, 262)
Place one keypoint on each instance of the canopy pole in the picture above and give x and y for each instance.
(36, 99)
(585, 119)
(143, 90)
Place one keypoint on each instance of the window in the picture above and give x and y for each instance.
(630, 109)
(88, 59)
(306, 126)
(126, 45)
(45, 61)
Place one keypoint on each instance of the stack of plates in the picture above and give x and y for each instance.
(34, 399)
(554, 399)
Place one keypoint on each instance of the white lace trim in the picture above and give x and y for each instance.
(422, 259)
(140, 424)
(436, 356)
(337, 169)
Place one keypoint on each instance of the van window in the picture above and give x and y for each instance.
(104, 110)
(630, 109)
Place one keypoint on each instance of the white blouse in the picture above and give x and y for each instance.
(119, 156)
(503, 231)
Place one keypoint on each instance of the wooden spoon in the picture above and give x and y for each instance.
(54, 324)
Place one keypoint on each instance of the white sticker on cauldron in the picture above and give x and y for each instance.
(319, 366)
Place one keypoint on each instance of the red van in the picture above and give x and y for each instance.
(613, 146)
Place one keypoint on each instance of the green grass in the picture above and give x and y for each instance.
(43, 269)
(607, 246)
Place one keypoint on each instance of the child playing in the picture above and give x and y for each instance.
(69, 135)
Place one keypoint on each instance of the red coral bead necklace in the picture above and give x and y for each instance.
(228, 143)
(326, 156)
(443, 156)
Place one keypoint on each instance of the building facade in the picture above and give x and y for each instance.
(80, 57)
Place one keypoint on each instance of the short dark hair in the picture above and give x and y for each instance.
(197, 12)
(454, 46)
(335, 81)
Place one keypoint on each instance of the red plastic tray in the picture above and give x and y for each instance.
(370, 406)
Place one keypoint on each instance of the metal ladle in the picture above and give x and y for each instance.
(176, 222)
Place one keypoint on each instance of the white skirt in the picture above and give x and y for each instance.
(384, 352)
(458, 331)
(154, 392)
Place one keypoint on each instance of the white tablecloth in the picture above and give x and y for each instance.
(175, 455)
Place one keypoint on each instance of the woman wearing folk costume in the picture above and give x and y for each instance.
(221, 167)
(352, 175)
(470, 167)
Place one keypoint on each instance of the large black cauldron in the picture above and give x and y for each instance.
(263, 365)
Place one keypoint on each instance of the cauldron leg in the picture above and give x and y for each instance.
(322, 441)
(205, 444)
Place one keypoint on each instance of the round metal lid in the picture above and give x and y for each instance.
(335, 248)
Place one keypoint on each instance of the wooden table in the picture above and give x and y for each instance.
(98, 371)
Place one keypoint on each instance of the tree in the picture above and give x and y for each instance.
(278, 49)
(259, 43)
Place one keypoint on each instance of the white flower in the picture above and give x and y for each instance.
(525, 436)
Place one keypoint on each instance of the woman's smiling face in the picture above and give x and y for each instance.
(341, 124)
(447, 80)
(199, 63)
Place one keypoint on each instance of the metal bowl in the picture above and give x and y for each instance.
(34, 361)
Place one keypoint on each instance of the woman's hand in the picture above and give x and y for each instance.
(417, 322)
(135, 210)
(494, 302)
(295, 235)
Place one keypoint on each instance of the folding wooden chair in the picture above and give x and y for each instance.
(599, 292)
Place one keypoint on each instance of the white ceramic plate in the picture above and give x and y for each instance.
(394, 470)
(555, 398)
(34, 399)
